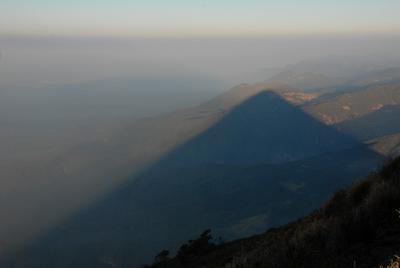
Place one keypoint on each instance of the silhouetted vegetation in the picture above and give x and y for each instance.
(162, 257)
(357, 227)
(190, 251)
(197, 247)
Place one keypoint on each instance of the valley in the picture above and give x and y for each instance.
(255, 157)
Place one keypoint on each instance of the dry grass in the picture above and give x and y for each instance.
(395, 263)
(357, 223)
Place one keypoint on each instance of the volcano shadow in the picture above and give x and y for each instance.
(263, 129)
(263, 164)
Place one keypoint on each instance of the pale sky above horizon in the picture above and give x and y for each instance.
(197, 18)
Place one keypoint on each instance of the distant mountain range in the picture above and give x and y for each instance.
(255, 157)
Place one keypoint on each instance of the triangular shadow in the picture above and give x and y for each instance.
(237, 168)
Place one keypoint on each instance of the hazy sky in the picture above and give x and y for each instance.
(197, 17)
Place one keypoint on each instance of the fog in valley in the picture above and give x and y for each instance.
(79, 117)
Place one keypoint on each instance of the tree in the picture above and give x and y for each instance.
(161, 257)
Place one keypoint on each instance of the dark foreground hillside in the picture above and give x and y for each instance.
(358, 227)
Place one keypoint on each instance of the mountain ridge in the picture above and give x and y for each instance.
(358, 226)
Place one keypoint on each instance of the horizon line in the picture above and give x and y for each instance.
(91, 36)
